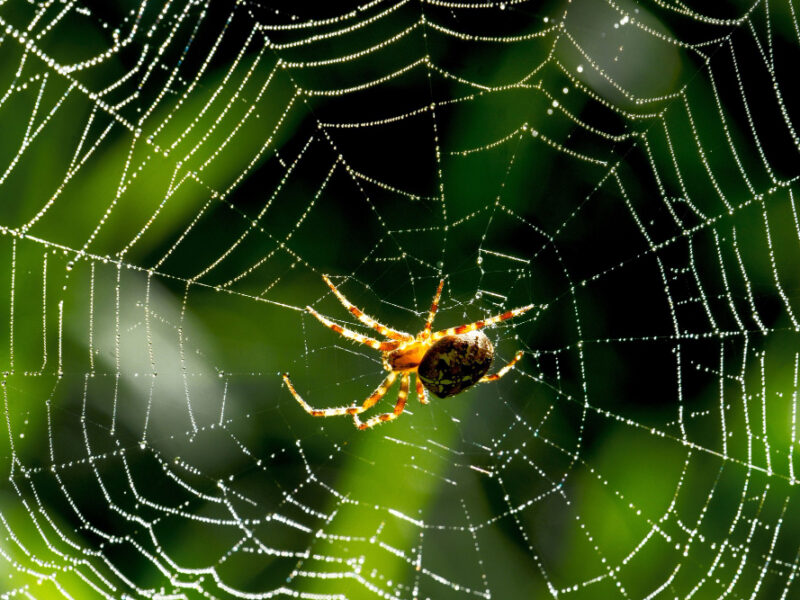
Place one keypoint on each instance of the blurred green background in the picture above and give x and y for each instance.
(175, 177)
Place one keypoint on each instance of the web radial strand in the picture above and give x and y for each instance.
(612, 187)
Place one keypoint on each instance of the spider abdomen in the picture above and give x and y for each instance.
(455, 362)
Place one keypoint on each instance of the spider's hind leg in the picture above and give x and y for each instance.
(503, 371)
(422, 393)
(426, 332)
(509, 314)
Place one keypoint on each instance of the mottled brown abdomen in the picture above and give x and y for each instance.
(455, 362)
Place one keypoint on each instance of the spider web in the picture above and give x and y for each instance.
(176, 175)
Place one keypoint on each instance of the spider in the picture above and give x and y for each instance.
(446, 362)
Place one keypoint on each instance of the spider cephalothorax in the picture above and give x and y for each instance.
(446, 362)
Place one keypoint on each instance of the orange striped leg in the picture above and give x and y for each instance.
(398, 408)
(426, 333)
(366, 319)
(379, 393)
(509, 314)
(352, 335)
(422, 393)
(503, 371)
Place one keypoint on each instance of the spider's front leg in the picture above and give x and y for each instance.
(352, 335)
(365, 318)
(379, 393)
(402, 396)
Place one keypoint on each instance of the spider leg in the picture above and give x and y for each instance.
(366, 319)
(379, 393)
(352, 335)
(426, 333)
(422, 393)
(398, 408)
(503, 371)
(509, 314)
